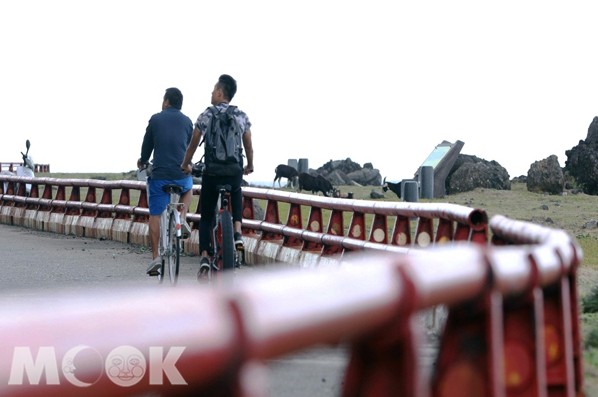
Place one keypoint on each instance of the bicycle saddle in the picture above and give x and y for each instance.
(172, 188)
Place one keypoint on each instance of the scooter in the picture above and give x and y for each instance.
(27, 169)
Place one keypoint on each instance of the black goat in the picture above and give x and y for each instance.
(285, 171)
(315, 184)
(394, 187)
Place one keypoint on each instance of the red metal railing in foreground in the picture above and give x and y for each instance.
(512, 327)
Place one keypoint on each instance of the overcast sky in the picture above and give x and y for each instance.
(377, 81)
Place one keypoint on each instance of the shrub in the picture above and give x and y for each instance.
(590, 302)
(592, 339)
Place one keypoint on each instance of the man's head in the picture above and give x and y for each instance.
(173, 97)
(224, 90)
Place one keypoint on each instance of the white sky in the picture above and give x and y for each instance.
(377, 81)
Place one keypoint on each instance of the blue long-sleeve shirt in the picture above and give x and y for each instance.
(167, 135)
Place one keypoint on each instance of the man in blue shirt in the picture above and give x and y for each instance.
(167, 135)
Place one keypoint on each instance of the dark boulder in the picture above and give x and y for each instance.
(348, 172)
(338, 178)
(375, 194)
(346, 166)
(592, 137)
(470, 172)
(366, 177)
(546, 176)
(582, 161)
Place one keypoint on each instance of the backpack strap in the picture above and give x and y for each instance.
(212, 110)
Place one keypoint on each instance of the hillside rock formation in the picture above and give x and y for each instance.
(546, 176)
(470, 172)
(582, 161)
(348, 172)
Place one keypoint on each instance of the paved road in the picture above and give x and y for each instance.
(34, 261)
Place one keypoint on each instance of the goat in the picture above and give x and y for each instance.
(394, 187)
(285, 171)
(326, 186)
(315, 184)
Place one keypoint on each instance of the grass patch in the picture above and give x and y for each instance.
(589, 245)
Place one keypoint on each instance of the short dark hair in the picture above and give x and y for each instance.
(228, 85)
(175, 97)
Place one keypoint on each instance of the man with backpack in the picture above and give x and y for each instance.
(225, 130)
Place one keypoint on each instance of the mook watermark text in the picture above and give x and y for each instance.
(83, 366)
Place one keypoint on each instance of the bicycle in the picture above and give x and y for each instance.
(225, 256)
(170, 236)
(170, 233)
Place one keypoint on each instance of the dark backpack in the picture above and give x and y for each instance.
(223, 140)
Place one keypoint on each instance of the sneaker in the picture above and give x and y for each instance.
(239, 244)
(185, 230)
(203, 275)
(154, 266)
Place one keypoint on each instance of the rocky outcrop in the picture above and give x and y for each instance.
(546, 176)
(582, 161)
(592, 137)
(470, 172)
(348, 172)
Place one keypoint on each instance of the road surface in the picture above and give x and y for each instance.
(33, 262)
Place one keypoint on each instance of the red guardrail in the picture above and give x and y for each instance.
(89, 211)
(512, 327)
(12, 166)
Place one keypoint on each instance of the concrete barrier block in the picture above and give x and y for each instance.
(56, 223)
(70, 223)
(309, 260)
(251, 244)
(29, 219)
(18, 216)
(289, 255)
(102, 228)
(121, 229)
(6, 215)
(84, 227)
(191, 244)
(140, 234)
(267, 251)
(41, 220)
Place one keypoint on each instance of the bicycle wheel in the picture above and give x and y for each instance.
(163, 246)
(161, 272)
(228, 244)
(174, 245)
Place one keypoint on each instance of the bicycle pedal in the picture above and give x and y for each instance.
(154, 273)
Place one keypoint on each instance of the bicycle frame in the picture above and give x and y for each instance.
(170, 236)
(225, 257)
